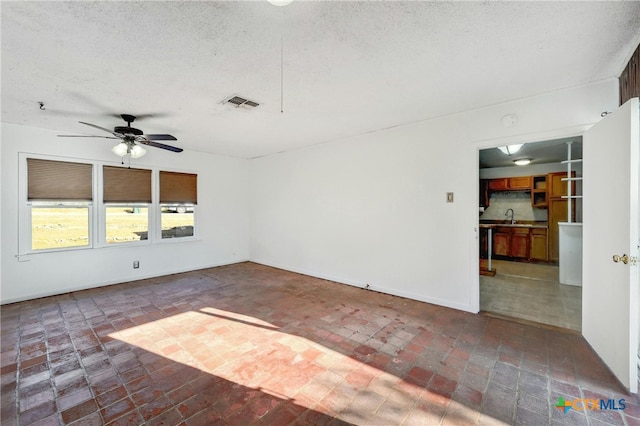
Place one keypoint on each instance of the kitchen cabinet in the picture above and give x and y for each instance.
(539, 194)
(501, 184)
(502, 242)
(511, 242)
(557, 186)
(522, 183)
(557, 213)
(538, 185)
(558, 210)
(519, 243)
(538, 247)
(515, 242)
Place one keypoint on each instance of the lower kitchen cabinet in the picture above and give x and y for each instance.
(502, 242)
(538, 248)
(519, 243)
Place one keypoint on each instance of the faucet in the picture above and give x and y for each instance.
(507, 215)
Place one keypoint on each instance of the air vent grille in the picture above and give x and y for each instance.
(238, 102)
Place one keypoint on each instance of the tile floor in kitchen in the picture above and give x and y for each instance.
(249, 344)
(531, 292)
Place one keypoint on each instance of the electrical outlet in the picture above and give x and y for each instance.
(136, 264)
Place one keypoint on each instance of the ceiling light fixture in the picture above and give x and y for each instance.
(126, 147)
(510, 149)
(121, 149)
(522, 161)
(137, 151)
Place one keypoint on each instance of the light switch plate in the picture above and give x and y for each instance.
(449, 197)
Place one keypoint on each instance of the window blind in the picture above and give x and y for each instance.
(124, 185)
(178, 188)
(50, 180)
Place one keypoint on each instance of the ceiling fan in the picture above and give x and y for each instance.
(130, 138)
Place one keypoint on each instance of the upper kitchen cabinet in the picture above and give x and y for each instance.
(522, 183)
(539, 194)
(501, 184)
(558, 186)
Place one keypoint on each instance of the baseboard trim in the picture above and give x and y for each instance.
(67, 290)
(361, 284)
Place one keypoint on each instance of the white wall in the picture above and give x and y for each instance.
(364, 210)
(222, 220)
(372, 209)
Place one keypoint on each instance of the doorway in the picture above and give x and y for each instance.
(521, 207)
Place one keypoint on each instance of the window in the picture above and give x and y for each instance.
(59, 225)
(126, 197)
(178, 197)
(59, 198)
(135, 206)
(126, 223)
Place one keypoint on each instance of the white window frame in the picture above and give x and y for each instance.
(195, 224)
(25, 206)
(31, 205)
(96, 210)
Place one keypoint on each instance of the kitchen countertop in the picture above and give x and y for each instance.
(499, 224)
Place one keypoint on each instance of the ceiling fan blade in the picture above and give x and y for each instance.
(87, 136)
(160, 137)
(98, 127)
(162, 146)
(143, 116)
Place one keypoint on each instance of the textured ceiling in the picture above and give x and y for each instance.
(348, 68)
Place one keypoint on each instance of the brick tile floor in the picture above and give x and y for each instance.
(248, 344)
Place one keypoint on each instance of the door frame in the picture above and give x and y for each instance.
(569, 132)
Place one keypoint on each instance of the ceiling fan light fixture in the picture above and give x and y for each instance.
(121, 149)
(522, 161)
(510, 149)
(137, 151)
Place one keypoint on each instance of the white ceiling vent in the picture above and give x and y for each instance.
(240, 102)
